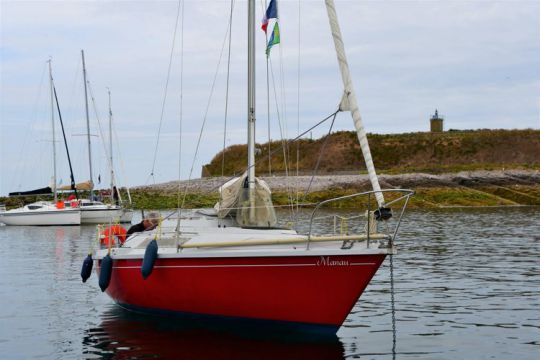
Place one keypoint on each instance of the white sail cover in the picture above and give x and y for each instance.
(234, 201)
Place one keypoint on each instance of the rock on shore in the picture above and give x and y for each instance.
(361, 181)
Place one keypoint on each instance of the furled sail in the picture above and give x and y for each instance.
(234, 201)
(86, 185)
(348, 101)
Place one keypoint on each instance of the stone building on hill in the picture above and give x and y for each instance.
(436, 122)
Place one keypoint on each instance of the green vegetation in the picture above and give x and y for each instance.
(434, 153)
(162, 200)
(425, 197)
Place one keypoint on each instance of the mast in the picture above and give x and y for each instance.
(349, 100)
(53, 134)
(111, 149)
(251, 105)
(87, 127)
(73, 187)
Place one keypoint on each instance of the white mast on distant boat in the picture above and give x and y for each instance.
(87, 127)
(251, 107)
(53, 134)
(111, 148)
(349, 102)
(113, 174)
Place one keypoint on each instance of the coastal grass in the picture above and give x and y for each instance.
(163, 200)
(424, 197)
(427, 152)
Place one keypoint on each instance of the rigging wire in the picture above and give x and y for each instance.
(165, 95)
(17, 180)
(226, 98)
(282, 121)
(393, 305)
(197, 147)
(288, 142)
(319, 158)
(96, 114)
(101, 133)
(180, 123)
(284, 143)
(263, 7)
(298, 108)
(78, 149)
(283, 97)
(107, 151)
(121, 161)
(227, 90)
(290, 190)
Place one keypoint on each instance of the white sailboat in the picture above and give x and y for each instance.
(41, 213)
(93, 211)
(44, 212)
(233, 262)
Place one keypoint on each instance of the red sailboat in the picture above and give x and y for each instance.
(233, 262)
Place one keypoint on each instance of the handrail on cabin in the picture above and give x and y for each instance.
(407, 193)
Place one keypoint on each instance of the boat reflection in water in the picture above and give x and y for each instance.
(124, 334)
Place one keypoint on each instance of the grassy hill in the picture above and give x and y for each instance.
(399, 158)
(395, 153)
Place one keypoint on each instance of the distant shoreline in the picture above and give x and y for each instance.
(451, 190)
(462, 189)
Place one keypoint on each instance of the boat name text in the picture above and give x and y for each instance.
(325, 261)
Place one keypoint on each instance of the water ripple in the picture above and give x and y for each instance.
(467, 285)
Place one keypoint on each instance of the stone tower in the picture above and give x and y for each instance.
(436, 122)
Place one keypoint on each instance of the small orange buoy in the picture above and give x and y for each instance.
(60, 205)
(108, 235)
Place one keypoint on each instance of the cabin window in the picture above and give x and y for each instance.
(34, 207)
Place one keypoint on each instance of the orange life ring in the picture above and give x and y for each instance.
(108, 235)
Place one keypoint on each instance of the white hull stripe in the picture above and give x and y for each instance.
(243, 265)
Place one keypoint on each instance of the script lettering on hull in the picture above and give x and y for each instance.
(326, 261)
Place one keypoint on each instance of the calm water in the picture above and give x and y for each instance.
(467, 286)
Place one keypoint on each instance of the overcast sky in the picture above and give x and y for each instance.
(478, 62)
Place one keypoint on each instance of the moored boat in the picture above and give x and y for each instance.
(41, 213)
(236, 262)
(300, 282)
(96, 212)
(44, 213)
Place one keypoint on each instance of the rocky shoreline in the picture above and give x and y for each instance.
(361, 181)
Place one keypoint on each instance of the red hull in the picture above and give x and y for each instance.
(302, 289)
